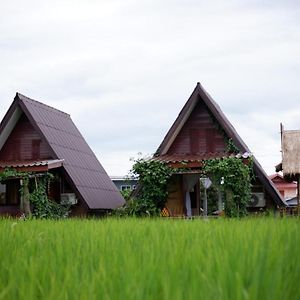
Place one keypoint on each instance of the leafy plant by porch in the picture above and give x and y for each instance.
(152, 192)
(233, 176)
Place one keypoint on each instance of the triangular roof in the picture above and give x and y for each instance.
(80, 165)
(199, 94)
(279, 180)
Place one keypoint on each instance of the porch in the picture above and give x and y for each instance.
(15, 189)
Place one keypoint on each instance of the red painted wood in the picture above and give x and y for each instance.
(210, 134)
(24, 143)
(36, 148)
(199, 134)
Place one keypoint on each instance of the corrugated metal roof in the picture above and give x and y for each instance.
(80, 163)
(21, 164)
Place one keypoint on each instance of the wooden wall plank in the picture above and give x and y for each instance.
(24, 143)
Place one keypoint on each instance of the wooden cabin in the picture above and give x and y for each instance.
(37, 138)
(201, 132)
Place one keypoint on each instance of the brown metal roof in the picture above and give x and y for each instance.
(199, 94)
(81, 165)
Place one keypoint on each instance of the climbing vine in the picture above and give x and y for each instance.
(234, 177)
(34, 199)
(231, 147)
(43, 207)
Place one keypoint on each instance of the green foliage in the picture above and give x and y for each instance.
(44, 208)
(134, 258)
(152, 192)
(10, 173)
(212, 196)
(126, 194)
(153, 181)
(231, 147)
(235, 177)
(137, 208)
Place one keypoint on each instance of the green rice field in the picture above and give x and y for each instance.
(252, 258)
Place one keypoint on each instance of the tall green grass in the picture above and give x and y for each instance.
(150, 259)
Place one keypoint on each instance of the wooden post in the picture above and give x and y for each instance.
(21, 198)
(25, 204)
(281, 133)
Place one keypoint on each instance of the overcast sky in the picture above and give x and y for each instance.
(124, 69)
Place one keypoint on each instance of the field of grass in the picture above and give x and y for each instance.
(150, 259)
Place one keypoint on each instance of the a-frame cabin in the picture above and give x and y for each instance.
(200, 132)
(37, 138)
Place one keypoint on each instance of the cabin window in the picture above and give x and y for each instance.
(9, 193)
(125, 187)
(36, 145)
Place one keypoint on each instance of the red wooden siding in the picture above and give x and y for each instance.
(199, 134)
(24, 143)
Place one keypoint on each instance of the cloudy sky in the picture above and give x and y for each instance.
(124, 69)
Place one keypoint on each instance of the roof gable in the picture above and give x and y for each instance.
(199, 95)
(65, 141)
